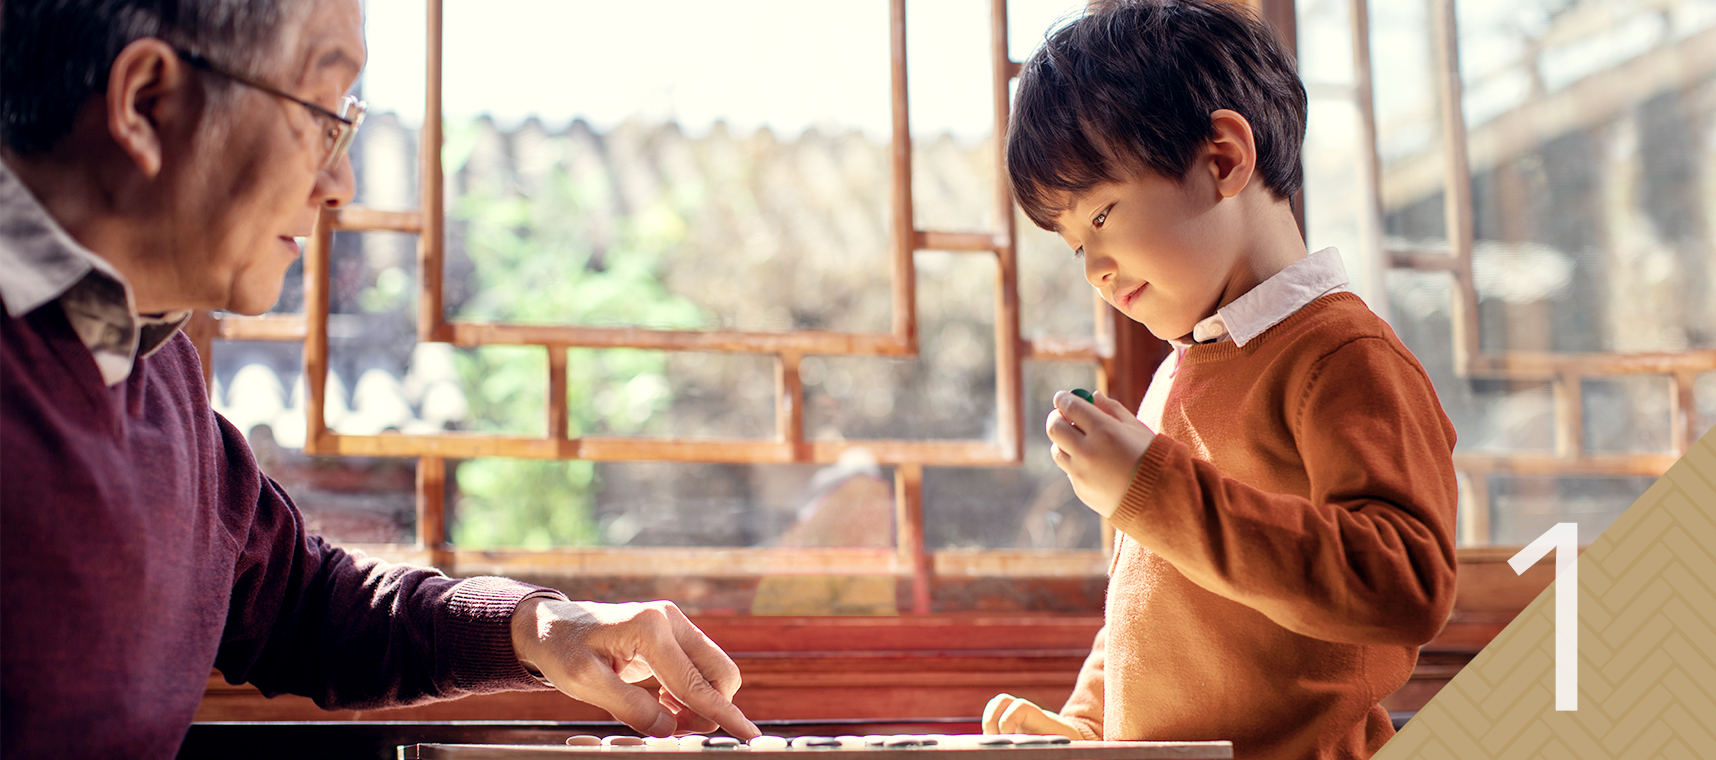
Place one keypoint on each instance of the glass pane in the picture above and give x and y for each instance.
(261, 383)
(1408, 126)
(517, 503)
(1055, 301)
(1489, 415)
(1500, 416)
(679, 191)
(1591, 226)
(1628, 414)
(947, 391)
(1031, 506)
(953, 182)
(349, 499)
(259, 388)
(1336, 195)
(952, 115)
(1030, 21)
(1524, 507)
(1324, 42)
(712, 396)
(1704, 394)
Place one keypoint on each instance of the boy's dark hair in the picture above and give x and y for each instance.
(1131, 86)
(56, 54)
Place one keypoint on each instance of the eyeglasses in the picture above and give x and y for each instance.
(342, 126)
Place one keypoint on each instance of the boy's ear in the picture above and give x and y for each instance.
(1231, 152)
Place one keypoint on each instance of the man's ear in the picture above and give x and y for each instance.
(1231, 152)
(148, 93)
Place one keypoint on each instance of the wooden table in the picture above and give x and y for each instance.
(1073, 751)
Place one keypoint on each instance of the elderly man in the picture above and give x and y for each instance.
(160, 156)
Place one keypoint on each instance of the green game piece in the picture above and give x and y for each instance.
(1084, 394)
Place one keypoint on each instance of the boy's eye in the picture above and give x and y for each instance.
(1100, 218)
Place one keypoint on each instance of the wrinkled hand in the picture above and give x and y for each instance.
(595, 652)
(1098, 446)
(1007, 714)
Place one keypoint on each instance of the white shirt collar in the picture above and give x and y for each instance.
(1273, 300)
(40, 263)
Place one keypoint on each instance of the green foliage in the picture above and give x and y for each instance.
(538, 261)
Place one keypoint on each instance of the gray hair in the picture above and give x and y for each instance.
(56, 54)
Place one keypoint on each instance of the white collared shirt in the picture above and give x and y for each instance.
(1262, 307)
(40, 263)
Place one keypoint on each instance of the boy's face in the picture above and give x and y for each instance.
(1161, 252)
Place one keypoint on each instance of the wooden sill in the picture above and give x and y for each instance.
(929, 666)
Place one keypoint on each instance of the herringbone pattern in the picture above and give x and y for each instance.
(1647, 648)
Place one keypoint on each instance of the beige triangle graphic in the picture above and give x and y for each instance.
(1647, 647)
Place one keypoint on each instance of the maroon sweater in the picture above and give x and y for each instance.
(140, 546)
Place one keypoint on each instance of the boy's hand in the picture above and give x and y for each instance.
(1098, 446)
(1007, 714)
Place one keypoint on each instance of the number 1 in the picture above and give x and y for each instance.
(1563, 539)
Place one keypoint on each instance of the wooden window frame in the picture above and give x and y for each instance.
(1123, 353)
(1565, 371)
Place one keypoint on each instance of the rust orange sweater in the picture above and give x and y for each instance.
(1285, 545)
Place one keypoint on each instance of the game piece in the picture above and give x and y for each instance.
(622, 741)
(584, 740)
(1034, 740)
(850, 742)
(1084, 394)
(768, 742)
(694, 741)
(815, 742)
(722, 742)
(661, 742)
(908, 742)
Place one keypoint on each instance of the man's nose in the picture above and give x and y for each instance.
(335, 185)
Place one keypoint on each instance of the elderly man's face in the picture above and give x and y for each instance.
(259, 179)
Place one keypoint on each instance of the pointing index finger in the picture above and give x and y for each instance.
(698, 674)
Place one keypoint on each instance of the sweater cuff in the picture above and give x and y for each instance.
(1141, 490)
(1088, 728)
(474, 635)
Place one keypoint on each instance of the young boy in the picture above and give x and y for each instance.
(1286, 540)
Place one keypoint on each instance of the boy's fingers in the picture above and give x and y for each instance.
(1077, 412)
(1017, 718)
(992, 712)
(1113, 408)
(1060, 431)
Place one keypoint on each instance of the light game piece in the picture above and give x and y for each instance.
(693, 741)
(622, 741)
(768, 742)
(815, 742)
(722, 742)
(1038, 740)
(661, 742)
(584, 740)
(849, 741)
